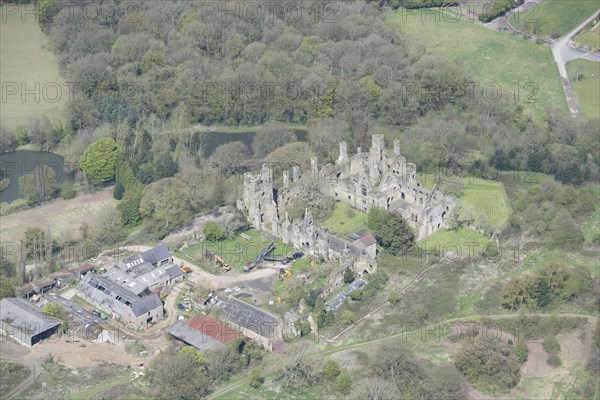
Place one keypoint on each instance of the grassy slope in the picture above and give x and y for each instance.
(61, 217)
(487, 198)
(555, 15)
(591, 226)
(11, 375)
(588, 89)
(465, 240)
(491, 57)
(24, 58)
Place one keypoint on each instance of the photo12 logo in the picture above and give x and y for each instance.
(71, 11)
(268, 11)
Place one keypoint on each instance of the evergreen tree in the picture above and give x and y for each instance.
(542, 293)
(391, 230)
(118, 191)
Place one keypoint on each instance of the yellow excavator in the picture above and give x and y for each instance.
(224, 266)
(284, 272)
(184, 268)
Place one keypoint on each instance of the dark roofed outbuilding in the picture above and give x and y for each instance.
(248, 317)
(157, 256)
(174, 272)
(146, 304)
(25, 322)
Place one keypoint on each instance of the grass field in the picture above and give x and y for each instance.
(587, 90)
(465, 240)
(26, 60)
(487, 198)
(554, 17)
(491, 57)
(590, 37)
(237, 251)
(342, 224)
(61, 217)
(483, 197)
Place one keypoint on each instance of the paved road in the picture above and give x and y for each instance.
(82, 321)
(563, 53)
(504, 20)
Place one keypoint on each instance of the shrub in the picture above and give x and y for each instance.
(349, 276)
(356, 294)
(394, 297)
(331, 370)
(347, 317)
(554, 361)
(520, 351)
(68, 191)
(551, 345)
(343, 383)
(489, 363)
(255, 379)
(213, 232)
(118, 191)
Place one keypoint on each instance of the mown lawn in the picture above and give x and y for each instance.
(482, 197)
(491, 58)
(590, 37)
(487, 198)
(553, 17)
(464, 240)
(587, 89)
(345, 220)
(26, 60)
(237, 251)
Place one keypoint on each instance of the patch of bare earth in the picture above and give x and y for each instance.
(73, 355)
(573, 351)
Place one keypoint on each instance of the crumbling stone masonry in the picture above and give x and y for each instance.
(363, 180)
(382, 179)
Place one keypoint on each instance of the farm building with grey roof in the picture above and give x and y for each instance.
(253, 322)
(25, 322)
(120, 302)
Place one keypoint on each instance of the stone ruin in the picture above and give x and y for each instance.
(375, 179)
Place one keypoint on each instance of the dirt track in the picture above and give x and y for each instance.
(232, 278)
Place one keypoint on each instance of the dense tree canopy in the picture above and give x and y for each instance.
(165, 205)
(489, 362)
(391, 230)
(99, 160)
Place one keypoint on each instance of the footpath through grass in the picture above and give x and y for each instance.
(553, 17)
(26, 63)
(524, 70)
(587, 87)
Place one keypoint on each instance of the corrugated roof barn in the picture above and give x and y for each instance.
(25, 322)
